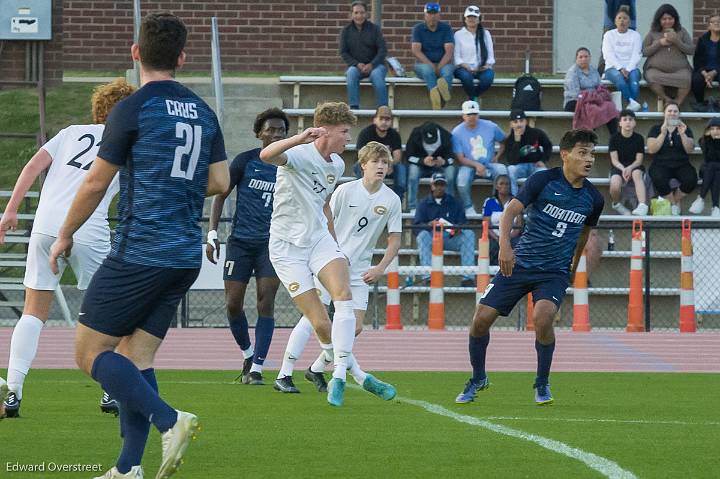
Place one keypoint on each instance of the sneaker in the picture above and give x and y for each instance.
(12, 405)
(318, 379)
(136, 472)
(697, 206)
(253, 378)
(285, 384)
(675, 210)
(633, 105)
(444, 89)
(435, 99)
(715, 212)
(3, 394)
(380, 389)
(620, 208)
(641, 210)
(108, 405)
(470, 210)
(336, 392)
(542, 394)
(471, 390)
(467, 282)
(175, 441)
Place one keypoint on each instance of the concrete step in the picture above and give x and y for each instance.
(12, 304)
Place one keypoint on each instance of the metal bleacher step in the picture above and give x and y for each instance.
(12, 304)
(12, 263)
(4, 255)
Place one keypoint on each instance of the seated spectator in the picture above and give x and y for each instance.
(710, 144)
(428, 151)
(493, 208)
(362, 47)
(706, 65)
(670, 144)
(474, 54)
(627, 150)
(612, 7)
(525, 149)
(622, 50)
(383, 133)
(583, 79)
(432, 45)
(441, 206)
(666, 47)
(474, 147)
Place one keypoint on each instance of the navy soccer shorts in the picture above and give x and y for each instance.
(242, 259)
(123, 297)
(504, 292)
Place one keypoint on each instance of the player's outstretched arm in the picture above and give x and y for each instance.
(274, 153)
(218, 178)
(377, 271)
(506, 256)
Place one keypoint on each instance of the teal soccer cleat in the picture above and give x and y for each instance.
(336, 392)
(380, 389)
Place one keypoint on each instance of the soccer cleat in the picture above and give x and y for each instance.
(253, 378)
(318, 379)
(175, 441)
(336, 392)
(697, 206)
(247, 364)
(3, 394)
(136, 472)
(380, 389)
(542, 394)
(285, 384)
(109, 405)
(12, 405)
(471, 390)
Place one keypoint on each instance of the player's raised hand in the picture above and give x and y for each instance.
(506, 259)
(61, 248)
(311, 134)
(8, 222)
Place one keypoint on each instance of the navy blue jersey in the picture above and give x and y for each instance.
(164, 138)
(255, 182)
(556, 215)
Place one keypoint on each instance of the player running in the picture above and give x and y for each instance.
(361, 210)
(247, 248)
(563, 207)
(302, 240)
(167, 144)
(68, 156)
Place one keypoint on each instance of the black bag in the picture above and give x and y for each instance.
(526, 94)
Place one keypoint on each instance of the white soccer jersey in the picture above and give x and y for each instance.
(72, 150)
(301, 189)
(359, 217)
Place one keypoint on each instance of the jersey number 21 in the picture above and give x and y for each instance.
(192, 136)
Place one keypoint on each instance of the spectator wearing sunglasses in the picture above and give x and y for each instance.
(433, 46)
(474, 54)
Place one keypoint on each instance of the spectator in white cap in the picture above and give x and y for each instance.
(474, 54)
(474, 147)
(432, 45)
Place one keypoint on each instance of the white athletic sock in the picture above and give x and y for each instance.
(248, 353)
(324, 359)
(295, 346)
(358, 374)
(256, 368)
(23, 347)
(343, 336)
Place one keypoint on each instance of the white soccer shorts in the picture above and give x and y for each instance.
(358, 288)
(84, 261)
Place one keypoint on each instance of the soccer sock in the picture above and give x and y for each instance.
(122, 380)
(135, 429)
(358, 374)
(324, 358)
(23, 347)
(295, 346)
(343, 336)
(544, 358)
(478, 350)
(239, 329)
(263, 336)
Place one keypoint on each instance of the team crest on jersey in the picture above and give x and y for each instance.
(380, 210)
(294, 286)
(331, 179)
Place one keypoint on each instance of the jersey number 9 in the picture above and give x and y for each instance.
(559, 229)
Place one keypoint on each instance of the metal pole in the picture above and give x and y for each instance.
(137, 19)
(217, 73)
(646, 298)
(41, 93)
(376, 7)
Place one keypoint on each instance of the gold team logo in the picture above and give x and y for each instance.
(380, 210)
(331, 179)
(294, 286)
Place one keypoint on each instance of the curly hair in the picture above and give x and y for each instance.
(373, 149)
(105, 97)
(663, 9)
(332, 114)
(269, 114)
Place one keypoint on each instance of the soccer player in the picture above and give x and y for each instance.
(167, 145)
(247, 247)
(68, 156)
(361, 210)
(302, 240)
(563, 207)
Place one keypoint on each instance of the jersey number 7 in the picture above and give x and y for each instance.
(192, 136)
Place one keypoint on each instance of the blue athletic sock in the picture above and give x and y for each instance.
(544, 358)
(263, 336)
(239, 329)
(135, 429)
(478, 349)
(122, 380)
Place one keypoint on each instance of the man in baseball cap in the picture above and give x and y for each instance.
(433, 47)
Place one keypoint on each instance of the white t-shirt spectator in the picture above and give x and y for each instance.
(466, 50)
(622, 50)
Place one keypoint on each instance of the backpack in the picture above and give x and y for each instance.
(527, 94)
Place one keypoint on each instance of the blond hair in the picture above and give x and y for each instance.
(373, 149)
(105, 97)
(332, 114)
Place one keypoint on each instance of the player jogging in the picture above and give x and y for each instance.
(562, 207)
(361, 210)
(247, 248)
(302, 242)
(167, 144)
(68, 156)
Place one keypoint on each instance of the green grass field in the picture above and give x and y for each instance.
(652, 425)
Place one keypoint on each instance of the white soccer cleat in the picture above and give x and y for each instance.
(175, 441)
(697, 206)
(135, 473)
(641, 210)
(620, 208)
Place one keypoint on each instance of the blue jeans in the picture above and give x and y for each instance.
(413, 180)
(485, 79)
(522, 170)
(399, 176)
(629, 88)
(377, 78)
(427, 74)
(464, 242)
(466, 175)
